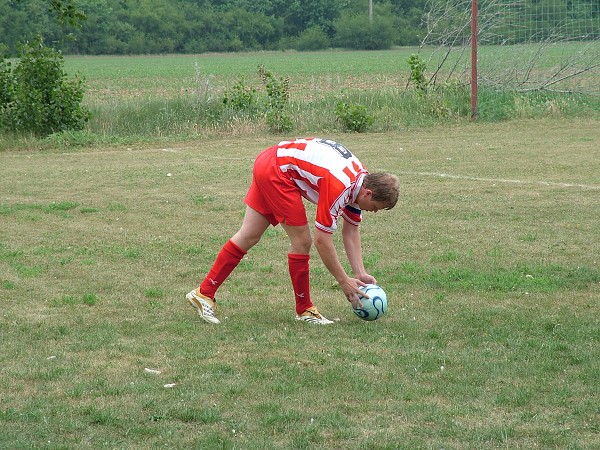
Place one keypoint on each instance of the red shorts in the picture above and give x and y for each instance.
(273, 194)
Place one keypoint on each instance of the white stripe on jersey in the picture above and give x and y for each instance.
(308, 161)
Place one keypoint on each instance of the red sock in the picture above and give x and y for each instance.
(298, 266)
(227, 260)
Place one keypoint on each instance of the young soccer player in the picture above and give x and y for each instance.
(327, 174)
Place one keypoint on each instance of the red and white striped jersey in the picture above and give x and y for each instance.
(328, 175)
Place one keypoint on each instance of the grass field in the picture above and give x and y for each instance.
(150, 75)
(490, 262)
(174, 98)
(311, 73)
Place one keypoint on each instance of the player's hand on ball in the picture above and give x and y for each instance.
(350, 286)
(374, 306)
(366, 278)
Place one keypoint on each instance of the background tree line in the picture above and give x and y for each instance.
(197, 26)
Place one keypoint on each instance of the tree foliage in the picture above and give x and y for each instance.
(197, 26)
(352, 31)
(35, 94)
(67, 11)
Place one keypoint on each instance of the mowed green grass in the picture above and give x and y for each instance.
(490, 262)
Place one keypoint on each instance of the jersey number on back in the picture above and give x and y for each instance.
(343, 151)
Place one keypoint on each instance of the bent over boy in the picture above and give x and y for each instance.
(327, 174)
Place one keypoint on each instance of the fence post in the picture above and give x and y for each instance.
(474, 60)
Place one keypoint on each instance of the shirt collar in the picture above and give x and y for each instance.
(357, 185)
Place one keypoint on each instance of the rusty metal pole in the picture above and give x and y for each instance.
(474, 60)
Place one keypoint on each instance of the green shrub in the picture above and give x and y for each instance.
(354, 117)
(36, 95)
(417, 72)
(278, 93)
(240, 97)
(356, 32)
(7, 88)
(313, 38)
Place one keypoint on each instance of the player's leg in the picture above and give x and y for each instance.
(298, 264)
(253, 227)
(228, 258)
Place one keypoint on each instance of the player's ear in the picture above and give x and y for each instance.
(365, 193)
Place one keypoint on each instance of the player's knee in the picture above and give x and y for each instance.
(302, 245)
(252, 240)
(246, 240)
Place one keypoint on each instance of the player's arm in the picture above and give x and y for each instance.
(324, 245)
(353, 247)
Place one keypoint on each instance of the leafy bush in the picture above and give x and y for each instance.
(240, 98)
(278, 92)
(7, 86)
(36, 96)
(417, 72)
(356, 32)
(354, 117)
(313, 38)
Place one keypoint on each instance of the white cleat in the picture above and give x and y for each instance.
(312, 315)
(204, 305)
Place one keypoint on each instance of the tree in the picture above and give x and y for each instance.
(313, 38)
(302, 14)
(67, 11)
(358, 32)
(36, 95)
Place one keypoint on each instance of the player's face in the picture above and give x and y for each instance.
(366, 202)
(372, 206)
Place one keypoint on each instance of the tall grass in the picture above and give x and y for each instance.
(394, 110)
(179, 97)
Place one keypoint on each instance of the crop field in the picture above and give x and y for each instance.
(311, 73)
(171, 75)
(490, 261)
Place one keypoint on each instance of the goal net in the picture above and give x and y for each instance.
(522, 45)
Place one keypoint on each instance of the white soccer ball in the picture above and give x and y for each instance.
(373, 307)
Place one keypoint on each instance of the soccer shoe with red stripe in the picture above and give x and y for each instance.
(204, 305)
(312, 315)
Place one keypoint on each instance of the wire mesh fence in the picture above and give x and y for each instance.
(522, 45)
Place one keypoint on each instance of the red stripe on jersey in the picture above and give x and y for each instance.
(296, 145)
(305, 166)
(295, 175)
(351, 175)
(328, 186)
